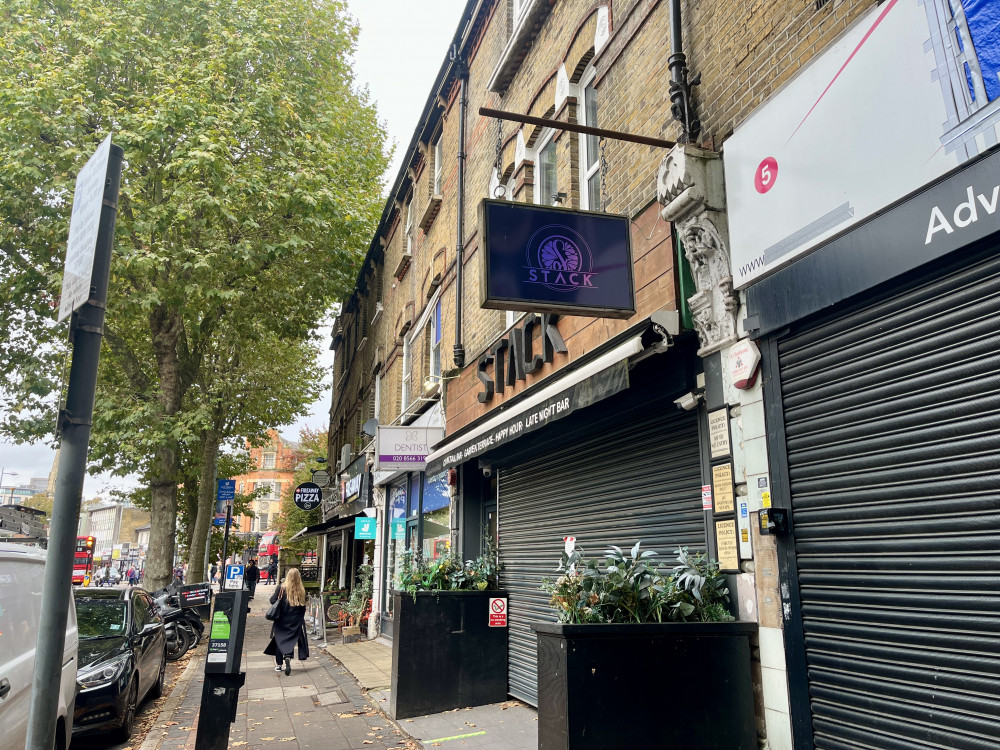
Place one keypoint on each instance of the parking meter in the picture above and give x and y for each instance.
(223, 678)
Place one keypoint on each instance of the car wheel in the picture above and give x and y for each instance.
(124, 732)
(157, 690)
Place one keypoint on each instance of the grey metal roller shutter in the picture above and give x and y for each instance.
(636, 479)
(892, 425)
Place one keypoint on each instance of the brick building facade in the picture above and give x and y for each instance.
(630, 464)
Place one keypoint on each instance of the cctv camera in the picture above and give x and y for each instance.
(688, 401)
(487, 471)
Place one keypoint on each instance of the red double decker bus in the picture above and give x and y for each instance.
(83, 558)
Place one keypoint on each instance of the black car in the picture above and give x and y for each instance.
(122, 658)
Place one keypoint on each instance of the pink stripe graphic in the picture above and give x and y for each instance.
(889, 6)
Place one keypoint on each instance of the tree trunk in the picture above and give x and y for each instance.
(165, 326)
(206, 507)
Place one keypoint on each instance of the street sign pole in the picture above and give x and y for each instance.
(87, 327)
(225, 538)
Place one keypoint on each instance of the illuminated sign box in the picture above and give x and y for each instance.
(544, 259)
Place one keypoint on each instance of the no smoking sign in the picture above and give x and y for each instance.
(498, 612)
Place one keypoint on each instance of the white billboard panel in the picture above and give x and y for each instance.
(910, 92)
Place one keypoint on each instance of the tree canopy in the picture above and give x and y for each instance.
(250, 190)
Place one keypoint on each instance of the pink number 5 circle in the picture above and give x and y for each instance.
(767, 173)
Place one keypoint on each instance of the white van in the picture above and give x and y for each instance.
(22, 571)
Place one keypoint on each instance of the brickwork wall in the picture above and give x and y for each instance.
(744, 51)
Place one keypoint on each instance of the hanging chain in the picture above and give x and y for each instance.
(604, 177)
(500, 190)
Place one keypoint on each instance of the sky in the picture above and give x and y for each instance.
(401, 47)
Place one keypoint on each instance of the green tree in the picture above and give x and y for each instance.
(291, 519)
(250, 188)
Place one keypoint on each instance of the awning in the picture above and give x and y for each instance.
(604, 376)
(318, 529)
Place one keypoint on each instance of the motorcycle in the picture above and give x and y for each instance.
(182, 626)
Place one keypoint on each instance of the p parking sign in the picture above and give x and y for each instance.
(234, 577)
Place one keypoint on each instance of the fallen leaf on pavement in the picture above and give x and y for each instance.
(267, 739)
(171, 723)
(236, 744)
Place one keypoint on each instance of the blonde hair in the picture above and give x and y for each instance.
(294, 589)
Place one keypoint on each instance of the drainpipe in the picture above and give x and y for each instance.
(680, 88)
(463, 77)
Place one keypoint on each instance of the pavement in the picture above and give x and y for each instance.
(334, 700)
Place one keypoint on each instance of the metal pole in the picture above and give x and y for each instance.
(87, 327)
(211, 524)
(225, 538)
(573, 127)
(463, 99)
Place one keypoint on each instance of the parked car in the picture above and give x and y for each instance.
(22, 570)
(122, 658)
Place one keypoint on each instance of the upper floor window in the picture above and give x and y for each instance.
(438, 165)
(270, 459)
(408, 228)
(407, 372)
(545, 171)
(590, 149)
(435, 364)
(518, 9)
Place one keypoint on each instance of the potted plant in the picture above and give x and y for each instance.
(447, 651)
(358, 605)
(629, 629)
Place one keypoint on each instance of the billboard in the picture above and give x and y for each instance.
(544, 259)
(906, 95)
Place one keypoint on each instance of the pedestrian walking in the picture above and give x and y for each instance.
(214, 569)
(252, 577)
(289, 626)
(272, 570)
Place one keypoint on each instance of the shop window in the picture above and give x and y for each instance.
(435, 517)
(590, 148)
(396, 536)
(545, 172)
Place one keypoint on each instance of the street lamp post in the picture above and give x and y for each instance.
(3, 472)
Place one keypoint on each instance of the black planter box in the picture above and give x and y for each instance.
(596, 684)
(445, 655)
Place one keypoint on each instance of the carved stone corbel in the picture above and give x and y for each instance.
(691, 190)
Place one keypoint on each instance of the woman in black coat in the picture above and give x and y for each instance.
(289, 627)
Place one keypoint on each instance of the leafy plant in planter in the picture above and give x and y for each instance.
(626, 619)
(449, 573)
(633, 587)
(361, 595)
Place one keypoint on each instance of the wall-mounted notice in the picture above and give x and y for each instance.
(722, 485)
(718, 431)
(727, 543)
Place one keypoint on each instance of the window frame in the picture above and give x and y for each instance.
(434, 364)
(407, 375)
(588, 171)
(408, 227)
(438, 165)
(546, 139)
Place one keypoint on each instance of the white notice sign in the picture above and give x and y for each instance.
(718, 431)
(234, 578)
(88, 197)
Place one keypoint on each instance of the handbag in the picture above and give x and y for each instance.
(274, 611)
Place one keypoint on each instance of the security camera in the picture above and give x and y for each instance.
(688, 401)
(487, 471)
